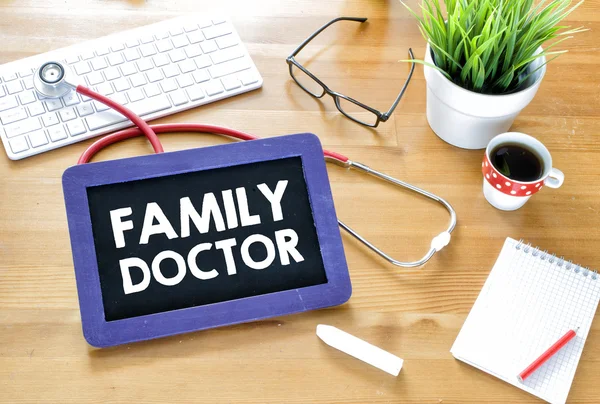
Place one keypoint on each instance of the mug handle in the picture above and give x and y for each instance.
(555, 179)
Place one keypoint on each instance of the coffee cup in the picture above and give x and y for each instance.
(515, 167)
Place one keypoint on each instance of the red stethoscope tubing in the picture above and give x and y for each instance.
(150, 131)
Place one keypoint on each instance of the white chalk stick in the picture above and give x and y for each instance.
(360, 349)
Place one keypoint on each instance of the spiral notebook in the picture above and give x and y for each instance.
(530, 299)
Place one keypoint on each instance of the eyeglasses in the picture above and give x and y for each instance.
(355, 110)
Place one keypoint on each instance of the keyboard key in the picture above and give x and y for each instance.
(27, 83)
(76, 127)
(128, 69)
(147, 39)
(135, 94)
(148, 50)
(161, 35)
(36, 109)
(121, 84)
(190, 27)
(25, 72)
(138, 80)
(178, 97)
(230, 83)
(202, 61)
(119, 98)
(218, 20)
(185, 80)
(195, 93)
(22, 127)
(177, 55)
(168, 85)
(13, 115)
(209, 46)
(131, 54)
(9, 76)
(176, 31)
(170, 70)
(226, 41)
(38, 138)
(27, 97)
(82, 68)
(105, 89)
(180, 41)
(89, 54)
(144, 64)
(13, 87)
(67, 114)
(154, 75)
(99, 63)
(57, 133)
(204, 22)
(152, 90)
(95, 78)
(216, 31)
(213, 88)
(53, 104)
(195, 37)
(71, 99)
(117, 47)
(8, 103)
(112, 73)
(85, 109)
(102, 50)
(19, 145)
(130, 43)
(164, 45)
(187, 66)
(201, 75)
(115, 59)
(72, 59)
(227, 54)
(2, 92)
(161, 60)
(192, 51)
(248, 78)
(227, 68)
(100, 106)
(50, 119)
(102, 119)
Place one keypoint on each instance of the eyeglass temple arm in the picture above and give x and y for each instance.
(317, 32)
(412, 69)
(437, 243)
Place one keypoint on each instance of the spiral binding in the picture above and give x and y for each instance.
(552, 258)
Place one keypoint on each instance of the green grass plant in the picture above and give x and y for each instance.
(487, 46)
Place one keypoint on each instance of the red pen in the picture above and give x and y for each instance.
(548, 354)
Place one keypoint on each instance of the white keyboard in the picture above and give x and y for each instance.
(155, 70)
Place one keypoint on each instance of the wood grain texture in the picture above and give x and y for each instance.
(415, 313)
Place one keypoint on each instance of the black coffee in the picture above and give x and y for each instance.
(517, 162)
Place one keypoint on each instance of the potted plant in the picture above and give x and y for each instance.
(484, 62)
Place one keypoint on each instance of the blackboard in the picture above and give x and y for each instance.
(167, 192)
(200, 238)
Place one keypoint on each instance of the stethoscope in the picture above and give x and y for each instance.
(53, 80)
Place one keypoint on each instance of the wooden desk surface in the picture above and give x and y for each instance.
(415, 314)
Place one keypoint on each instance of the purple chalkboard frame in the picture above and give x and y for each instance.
(101, 333)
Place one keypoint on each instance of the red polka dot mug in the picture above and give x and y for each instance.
(505, 193)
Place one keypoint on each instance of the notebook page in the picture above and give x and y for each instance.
(525, 306)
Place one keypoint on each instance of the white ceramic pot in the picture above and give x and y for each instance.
(470, 120)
